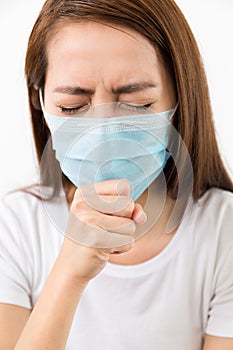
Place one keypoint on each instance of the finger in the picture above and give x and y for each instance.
(108, 187)
(139, 215)
(120, 206)
(110, 223)
(97, 237)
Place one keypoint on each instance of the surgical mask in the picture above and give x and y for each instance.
(128, 146)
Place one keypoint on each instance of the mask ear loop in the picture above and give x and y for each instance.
(42, 105)
(175, 109)
(41, 100)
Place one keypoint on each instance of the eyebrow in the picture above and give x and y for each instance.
(73, 90)
(120, 90)
(135, 87)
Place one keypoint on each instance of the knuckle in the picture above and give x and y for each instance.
(131, 227)
(130, 207)
(89, 219)
(78, 205)
(123, 186)
(83, 213)
(78, 195)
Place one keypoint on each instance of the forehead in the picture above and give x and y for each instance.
(98, 33)
(103, 62)
(100, 45)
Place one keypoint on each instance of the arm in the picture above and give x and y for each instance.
(12, 321)
(50, 321)
(217, 343)
(219, 325)
(49, 325)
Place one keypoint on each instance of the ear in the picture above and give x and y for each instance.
(34, 95)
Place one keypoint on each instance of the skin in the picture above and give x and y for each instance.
(138, 78)
(120, 58)
(129, 59)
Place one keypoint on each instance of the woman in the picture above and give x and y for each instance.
(118, 276)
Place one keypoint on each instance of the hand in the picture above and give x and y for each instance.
(102, 221)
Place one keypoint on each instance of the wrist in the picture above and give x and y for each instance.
(68, 276)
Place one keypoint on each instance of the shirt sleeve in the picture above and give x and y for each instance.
(220, 317)
(14, 281)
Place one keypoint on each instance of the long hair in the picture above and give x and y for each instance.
(164, 25)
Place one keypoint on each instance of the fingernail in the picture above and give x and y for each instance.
(141, 218)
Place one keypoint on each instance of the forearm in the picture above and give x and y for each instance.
(51, 319)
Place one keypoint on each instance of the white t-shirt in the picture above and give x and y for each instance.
(168, 302)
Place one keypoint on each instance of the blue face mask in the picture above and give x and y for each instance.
(131, 146)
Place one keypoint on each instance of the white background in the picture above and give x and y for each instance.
(212, 24)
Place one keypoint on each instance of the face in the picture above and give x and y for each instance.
(93, 64)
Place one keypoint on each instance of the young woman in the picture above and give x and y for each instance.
(138, 255)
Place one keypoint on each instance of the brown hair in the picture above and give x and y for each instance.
(162, 22)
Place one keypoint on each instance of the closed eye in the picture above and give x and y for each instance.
(70, 111)
(73, 110)
(135, 107)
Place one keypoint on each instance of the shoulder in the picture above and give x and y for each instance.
(31, 199)
(216, 208)
(30, 240)
(16, 206)
(31, 225)
(216, 197)
(33, 195)
(29, 211)
(18, 211)
(212, 223)
(16, 199)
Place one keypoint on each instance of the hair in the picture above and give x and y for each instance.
(164, 25)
